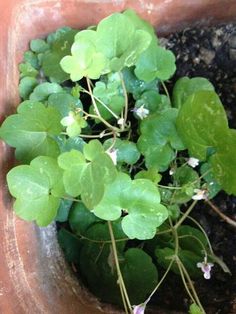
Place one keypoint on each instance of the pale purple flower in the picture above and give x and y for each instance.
(139, 309)
(193, 162)
(112, 152)
(205, 268)
(200, 195)
(141, 112)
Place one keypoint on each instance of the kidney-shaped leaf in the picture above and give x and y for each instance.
(31, 130)
(37, 188)
(202, 123)
(140, 199)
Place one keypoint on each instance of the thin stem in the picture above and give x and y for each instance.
(191, 286)
(120, 277)
(184, 281)
(203, 231)
(160, 282)
(104, 121)
(126, 97)
(92, 97)
(223, 216)
(71, 199)
(199, 241)
(164, 231)
(101, 241)
(166, 90)
(102, 103)
(169, 187)
(185, 215)
(98, 115)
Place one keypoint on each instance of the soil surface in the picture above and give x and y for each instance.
(210, 53)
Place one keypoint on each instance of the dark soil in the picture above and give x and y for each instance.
(210, 53)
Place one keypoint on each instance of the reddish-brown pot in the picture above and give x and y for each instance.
(33, 275)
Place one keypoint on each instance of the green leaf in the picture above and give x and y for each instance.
(42, 91)
(155, 62)
(120, 41)
(211, 185)
(58, 34)
(202, 123)
(92, 149)
(85, 61)
(111, 95)
(140, 23)
(38, 45)
(127, 151)
(97, 174)
(61, 42)
(136, 86)
(26, 69)
(80, 219)
(140, 199)
(31, 131)
(73, 163)
(190, 238)
(70, 245)
(223, 163)
(31, 58)
(195, 309)
(150, 174)
(63, 210)
(37, 188)
(153, 101)
(188, 258)
(96, 261)
(158, 139)
(186, 87)
(64, 103)
(188, 179)
(140, 274)
(26, 86)
(67, 144)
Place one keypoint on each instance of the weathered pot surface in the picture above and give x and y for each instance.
(34, 277)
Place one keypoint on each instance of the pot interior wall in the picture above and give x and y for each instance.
(34, 277)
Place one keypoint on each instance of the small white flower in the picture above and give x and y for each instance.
(68, 120)
(200, 195)
(113, 154)
(193, 162)
(139, 309)
(121, 121)
(205, 268)
(171, 171)
(141, 112)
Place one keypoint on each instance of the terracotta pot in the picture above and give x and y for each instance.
(33, 275)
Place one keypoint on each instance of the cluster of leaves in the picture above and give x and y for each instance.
(105, 83)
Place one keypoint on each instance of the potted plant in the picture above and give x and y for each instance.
(47, 132)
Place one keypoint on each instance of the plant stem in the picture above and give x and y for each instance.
(169, 187)
(166, 90)
(102, 103)
(97, 116)
(223, 216)
(120, 277)
(126, 97)
(184, 281)
(203, 231)
(199, 241)
(160, 282)
(192, 286)
(185, 215)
